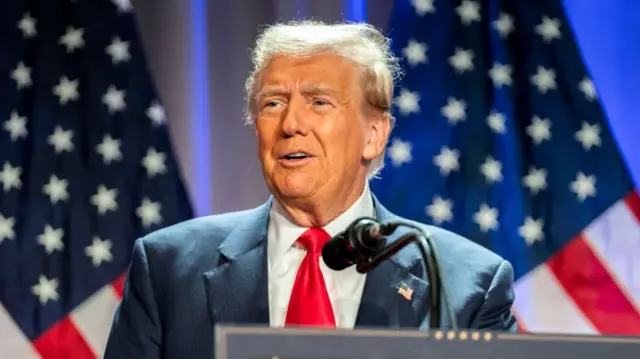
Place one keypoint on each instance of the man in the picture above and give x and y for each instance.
(320, 100)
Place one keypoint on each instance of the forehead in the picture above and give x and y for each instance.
(323, 70)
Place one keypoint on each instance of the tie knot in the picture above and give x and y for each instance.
(313, 240)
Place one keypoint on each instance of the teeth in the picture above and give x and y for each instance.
(297, 155)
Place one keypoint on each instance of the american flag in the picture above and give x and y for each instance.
(500, 137)
(86, 167)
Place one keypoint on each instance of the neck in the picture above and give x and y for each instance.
(317, 213)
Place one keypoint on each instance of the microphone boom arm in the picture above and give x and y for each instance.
(428, 252)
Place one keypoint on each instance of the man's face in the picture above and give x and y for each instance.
(313, 137)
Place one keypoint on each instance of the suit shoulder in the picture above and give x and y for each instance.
(458, 251)
(461, 246)
(197, 232)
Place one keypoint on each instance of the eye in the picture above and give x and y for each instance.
(271, 104)
(320, 102)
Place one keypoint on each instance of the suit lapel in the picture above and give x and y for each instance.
(395, 293)
(237, 290)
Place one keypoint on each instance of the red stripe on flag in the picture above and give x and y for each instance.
(63, 341)
(118, 285)
(593, 290)
(633, 203)
(521, 327)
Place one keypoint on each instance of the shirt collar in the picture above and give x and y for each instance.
(283, 232)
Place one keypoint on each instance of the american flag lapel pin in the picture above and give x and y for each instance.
(405, 291)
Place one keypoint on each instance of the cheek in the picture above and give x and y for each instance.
(265, 131)
(344, 142)
(265, 143)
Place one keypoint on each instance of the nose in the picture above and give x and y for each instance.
(294, 121)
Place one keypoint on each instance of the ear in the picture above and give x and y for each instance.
(379, 128)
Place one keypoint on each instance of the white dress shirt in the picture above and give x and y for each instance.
(345, 287)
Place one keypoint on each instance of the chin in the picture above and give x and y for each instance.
(296, 186)
(300, 192)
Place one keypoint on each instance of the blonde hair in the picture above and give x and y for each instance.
(359, 42)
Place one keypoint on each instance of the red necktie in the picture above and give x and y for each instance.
(309, 304)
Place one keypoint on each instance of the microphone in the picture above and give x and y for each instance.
(363, 238)
(364, 243)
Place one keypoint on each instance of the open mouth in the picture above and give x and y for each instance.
(296, 156)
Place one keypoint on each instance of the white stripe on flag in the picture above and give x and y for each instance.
(615, 238)
(13, 342)
(94, 316)
(542, 305)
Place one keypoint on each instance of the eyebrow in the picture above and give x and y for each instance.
(316, 89)
(306, 89)
(271, 90)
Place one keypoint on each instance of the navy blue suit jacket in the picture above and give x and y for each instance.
(185, 279)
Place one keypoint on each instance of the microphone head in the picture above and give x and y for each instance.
(362, 239)
(335, 255)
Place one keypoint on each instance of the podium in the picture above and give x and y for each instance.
(246, 342)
